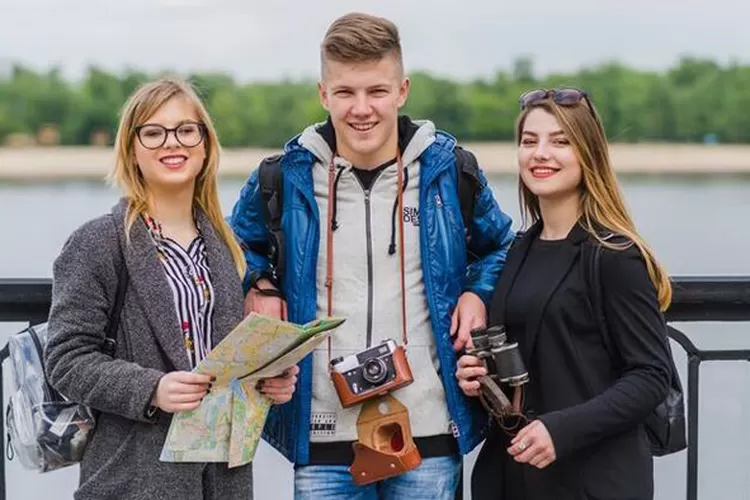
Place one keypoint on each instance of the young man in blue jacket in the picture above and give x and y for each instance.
(383, 190)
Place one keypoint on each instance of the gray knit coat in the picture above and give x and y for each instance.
(122, 458)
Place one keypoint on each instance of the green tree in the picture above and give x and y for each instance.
(687, 102)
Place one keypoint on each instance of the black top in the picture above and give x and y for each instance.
(368, 176)
(592, 408)
(524, 296)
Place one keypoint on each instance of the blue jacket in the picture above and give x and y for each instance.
(444, 266)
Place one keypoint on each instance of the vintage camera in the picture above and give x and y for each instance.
(370, 373)
(501, 358)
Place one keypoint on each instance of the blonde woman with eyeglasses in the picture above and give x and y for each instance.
(183, 270)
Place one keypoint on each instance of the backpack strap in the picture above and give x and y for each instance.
(591, 256)
(113, 322)
(467, 174)
(110, 333)
(271, 188)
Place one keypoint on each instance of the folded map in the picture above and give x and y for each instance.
(227, 425)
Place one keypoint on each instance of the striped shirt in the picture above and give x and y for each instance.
(189, 277)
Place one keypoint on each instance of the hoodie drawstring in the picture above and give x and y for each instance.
(334, 222)
(392, 246)
(333, 178)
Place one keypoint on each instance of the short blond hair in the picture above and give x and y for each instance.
(358, 37)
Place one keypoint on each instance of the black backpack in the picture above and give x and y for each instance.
(270, 182)
(665, 426)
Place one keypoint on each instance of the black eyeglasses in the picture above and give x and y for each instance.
(188, 134)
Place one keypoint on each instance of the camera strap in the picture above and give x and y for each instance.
(329, 245)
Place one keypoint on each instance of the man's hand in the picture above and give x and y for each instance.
(255, 301)
(281, 388)
(470, 313)
(533, 445)
(181, 391)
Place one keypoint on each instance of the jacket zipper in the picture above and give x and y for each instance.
(368, 215)
(368, 232)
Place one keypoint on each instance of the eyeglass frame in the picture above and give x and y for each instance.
(201, 128)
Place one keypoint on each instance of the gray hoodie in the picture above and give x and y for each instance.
(367, 289)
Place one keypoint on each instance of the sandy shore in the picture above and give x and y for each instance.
(62, 163)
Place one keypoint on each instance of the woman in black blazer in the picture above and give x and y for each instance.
(585, 437)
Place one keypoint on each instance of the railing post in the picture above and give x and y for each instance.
(694, 362)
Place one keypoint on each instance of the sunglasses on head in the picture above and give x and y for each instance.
(562, 97)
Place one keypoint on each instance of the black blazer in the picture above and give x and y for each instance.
(592, 406)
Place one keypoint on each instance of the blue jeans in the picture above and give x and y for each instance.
(435, 479)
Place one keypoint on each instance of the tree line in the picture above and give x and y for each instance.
(694, 100)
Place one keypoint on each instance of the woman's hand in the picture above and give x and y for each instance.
(533, 445)
(280, 389)
(470, 368)
(181, 391)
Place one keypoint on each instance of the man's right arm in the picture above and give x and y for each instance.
(248, 222)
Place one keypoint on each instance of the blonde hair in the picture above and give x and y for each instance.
(358, 37)
(602, 203)
(141, 106)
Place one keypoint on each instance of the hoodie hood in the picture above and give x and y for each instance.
(414, 137)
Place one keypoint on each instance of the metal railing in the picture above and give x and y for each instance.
(706, 298)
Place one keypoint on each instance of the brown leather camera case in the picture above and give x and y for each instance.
(402, 379)
(375, 457)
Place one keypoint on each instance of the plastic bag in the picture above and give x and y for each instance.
(45, 431)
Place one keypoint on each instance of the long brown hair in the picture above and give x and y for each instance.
(602, 204)
(141, 106)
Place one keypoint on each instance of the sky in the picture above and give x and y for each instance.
(275, 39)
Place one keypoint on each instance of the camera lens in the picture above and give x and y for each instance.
(374, 371)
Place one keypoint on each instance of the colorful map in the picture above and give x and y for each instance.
(226, 427)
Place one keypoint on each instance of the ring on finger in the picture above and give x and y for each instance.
(523, 445)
